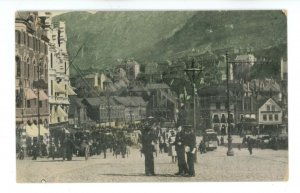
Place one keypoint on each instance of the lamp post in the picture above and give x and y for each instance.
(230, 150)
(193, 73)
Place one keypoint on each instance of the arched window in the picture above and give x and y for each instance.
(34, 71)
(51, 60)
(18, 67)
(28, 68)
(18, 36)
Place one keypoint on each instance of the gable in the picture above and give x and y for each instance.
(269, 105)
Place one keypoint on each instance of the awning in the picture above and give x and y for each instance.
(70, 91)
(43, 130)
(59, 88)
(43, 96)
(29, 94)
(61, 112)
(32, 130)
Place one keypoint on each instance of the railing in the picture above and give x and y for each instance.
(30, 111)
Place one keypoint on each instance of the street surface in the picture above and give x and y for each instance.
(263, 165)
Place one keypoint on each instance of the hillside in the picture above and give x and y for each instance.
(154, 36)
(110, 36)
(216, 30)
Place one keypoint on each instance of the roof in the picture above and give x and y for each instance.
(75, 102)
(96, 101)
(246, 57)
(157, 86)
(261, 102)
(130, 101)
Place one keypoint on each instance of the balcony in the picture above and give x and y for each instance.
(31, 112)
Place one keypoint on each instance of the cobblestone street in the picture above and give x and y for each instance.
(263, 165)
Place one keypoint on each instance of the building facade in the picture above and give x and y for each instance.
(59, 84)
(31, 50)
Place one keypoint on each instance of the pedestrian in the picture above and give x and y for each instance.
(222, 140)
(202, 147)
(250, 144)
(35, 150)
(172, 151)
(179, 147)
(190, 149)
(148, 142)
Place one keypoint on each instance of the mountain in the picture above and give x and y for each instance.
(112, 36)
(154, 36)
(216, 30)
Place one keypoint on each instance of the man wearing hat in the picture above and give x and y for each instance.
(148, 141)
(190, 149)
(179, 147)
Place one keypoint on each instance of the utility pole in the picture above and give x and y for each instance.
(193, 73)
(230, 150)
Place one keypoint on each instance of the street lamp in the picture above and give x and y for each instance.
(192, 74)
(230, 150)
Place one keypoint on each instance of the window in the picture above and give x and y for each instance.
(18, 36)
(24, 38)
(230, 119)
(268, 108)
(18, 67)
(242, 117)
(218, 105)
(51, 88)
(270, 117)
(273, 107)
(216, 119)
(28, 68)
(28, 103)
(264, 117)
(28, 41)
(276, 117)
(65, 67)
(40, 104)
(51, 60)
(223, 119)
(58, 119)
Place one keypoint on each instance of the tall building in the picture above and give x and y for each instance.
(31, 51)
(59, 84)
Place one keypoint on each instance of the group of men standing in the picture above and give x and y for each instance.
(185, 146)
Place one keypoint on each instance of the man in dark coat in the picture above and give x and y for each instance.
(179, 147)
(68, 147)
(148, 141)
(190, 149)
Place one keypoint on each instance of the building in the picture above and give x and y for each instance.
(212, 107)
(31, 51)
(162, 102)
(59, 84)
(269, 117)
(78, 118)
(135, 108)
(105, 111)
(242, 66)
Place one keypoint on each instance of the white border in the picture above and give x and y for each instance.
(7, 142)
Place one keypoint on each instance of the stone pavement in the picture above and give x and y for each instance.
(263, 165)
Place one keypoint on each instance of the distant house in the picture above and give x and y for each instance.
(135, 108)
(78, 114)
(104, 110)
(242, 66)
(162, 102)
(270, 116)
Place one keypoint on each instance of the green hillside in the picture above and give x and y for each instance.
(109, 36)
(154, 36)
(216, 30)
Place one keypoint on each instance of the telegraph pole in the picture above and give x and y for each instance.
(230, 150)
(193, 73)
